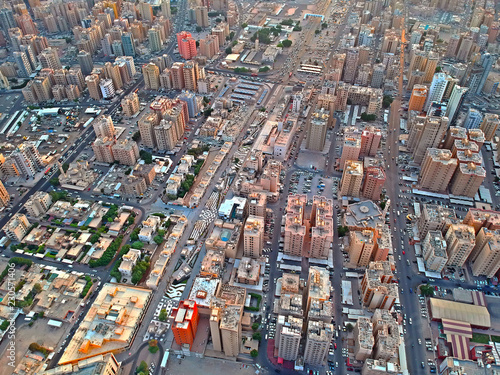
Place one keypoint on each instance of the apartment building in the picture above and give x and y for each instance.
(435, 217)
(185, 322)
(130, 104)
(17, 227)
(352, 176)
(38, 204)
(318, 126)
(377, 289)
(467, 179)
(126, 152)
(253, 237)
(438, 167)
(434, 251)
(489, 125)
(425, 132)
(374, 182)
(288, 335)
(318, 337)
(485, 257)
(362, 246)
(4, 195)
(460, 240)
(351, 149)
(364, 341)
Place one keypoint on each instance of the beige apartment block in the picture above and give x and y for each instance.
(460, 240)
(435, 217)
(257, 204)
(295, 230)
(467, 180)
(17, 227)
(386, 342)
(38, 204)
(374, 182)
(130, 104)
(479, 218)
(486, 253)
(102, 148)
(104, 127)
(377, 289)
(253, 237)
(125, 152)
(489, 125)
(434, 251)
(4, 195)
(438, 168)
(288, 335)
(318, 337)
(454, 133)
(318, 286)
(351, 149)
(318, 126)
(352, 176)
(363, 338)
(362, 244)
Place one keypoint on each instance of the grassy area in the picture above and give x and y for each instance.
(495, 338)
(480, 338)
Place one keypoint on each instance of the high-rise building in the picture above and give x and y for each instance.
(460, 240)
(201, 13)
(27, 159)
(4, 195)
(418, 98)
(438, 168)
(435, 218)
(125, 152)
(192, 102)
(377, 289)
(85, 61)
(17, 227)
(351, 149)
(489, 125)
(370, 140)
(318, 337)
(454, 133)
(49, 58)
(363, 339)
(318, 126)
(467, 179)
(113, 72)
(485, 257)
(155, 41)
(92, 82)
(177, 74)
(253, 237)
(257, 204)
(434, 251)
(351, 65)
(209, 46)
(362, 245)
(473, 119)
(185, 322)
(128, 44)
(352, 176)
(374, 182)
(146, 11)
(378, 76)
(38, 204)
(104, 127)
(103, 151)
(7, 19)
(321, 224)
(426, 132)
(130, 104)
(151, 75)
(487, 61)
(437, 89)
(191, 75)
(186, 44)
(288, 335)
(23, 64)
(455, 102)
(295, 230)
(107, 88)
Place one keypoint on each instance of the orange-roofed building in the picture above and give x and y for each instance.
(185, 323)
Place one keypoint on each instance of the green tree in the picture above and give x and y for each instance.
(349, 327)
(257, 336)
(54, 181)
(143, 367)
(243, 25)
(255, 326)
(264, 69)
(342, 230)
(317, 32)
(324, 25)
(207, 112)
(163, 315)
(236, 160)
(427, 290)
(65, 167)
(134, 236)
(198, 29)
(366, 117)
(146, 156)
(286, 43)
(137, 245)
(387, 101)
(218, 20)
(438, 69)
(158, 239)
(254, 353)
(229, 50)
(382, 204)
(37, 288)
(136, 136)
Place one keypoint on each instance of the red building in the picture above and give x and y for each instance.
(186, 44)
(185, 323)
(374, 182)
